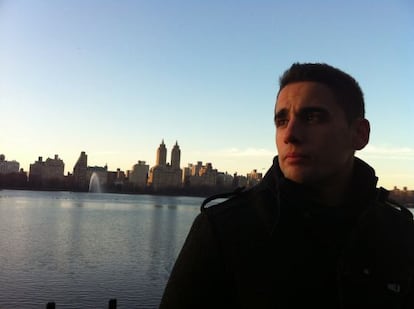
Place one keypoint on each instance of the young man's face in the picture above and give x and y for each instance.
(314, 141)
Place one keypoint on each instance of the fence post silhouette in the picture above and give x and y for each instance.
(51, 305)
(112, 303)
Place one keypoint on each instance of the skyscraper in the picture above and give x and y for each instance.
(175, 156)
(161, 155)
(80, 181)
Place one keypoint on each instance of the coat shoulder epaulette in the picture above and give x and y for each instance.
(235, 200)
(384, 200)
(221, 197)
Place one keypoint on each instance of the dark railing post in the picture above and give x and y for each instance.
(50, 305)
(112, 303)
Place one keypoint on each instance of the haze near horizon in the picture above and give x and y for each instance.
(115, 78)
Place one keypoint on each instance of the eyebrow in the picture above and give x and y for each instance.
(313, 109)
(303, 111)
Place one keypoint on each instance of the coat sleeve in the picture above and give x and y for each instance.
(197, 279)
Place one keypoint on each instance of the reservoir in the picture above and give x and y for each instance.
(81, 249)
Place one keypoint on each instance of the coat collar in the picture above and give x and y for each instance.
(362, 185)
(360, 194)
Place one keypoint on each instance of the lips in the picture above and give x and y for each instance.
(296, 158)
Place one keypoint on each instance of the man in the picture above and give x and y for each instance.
(316, 232)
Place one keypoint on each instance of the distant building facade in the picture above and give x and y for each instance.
(139, 175)
(8, 167)
(199, 175)
(164, 175)
(404, 196)
(115, 181)
(47, 173)
(224, 179)
(80, 180)
(253, 178)
(239, 180)
(10, 176)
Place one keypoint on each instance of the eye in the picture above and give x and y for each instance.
(315, 117)
(281, 121)
(281, 118)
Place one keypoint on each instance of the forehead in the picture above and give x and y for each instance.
(305, 94)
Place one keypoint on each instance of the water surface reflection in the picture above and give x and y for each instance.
(81, 249)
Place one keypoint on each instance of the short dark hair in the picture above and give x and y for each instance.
(345, 88)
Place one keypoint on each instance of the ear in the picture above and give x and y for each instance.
(361, 128)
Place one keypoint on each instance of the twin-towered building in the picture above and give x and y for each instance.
(166, 175)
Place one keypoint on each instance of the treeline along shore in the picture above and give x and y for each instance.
(20, 181)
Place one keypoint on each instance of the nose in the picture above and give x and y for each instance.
(293, 132)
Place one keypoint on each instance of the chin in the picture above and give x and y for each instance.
(301, 177)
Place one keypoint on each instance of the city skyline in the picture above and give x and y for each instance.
(113, 79)
(69, 169)
(166, 176)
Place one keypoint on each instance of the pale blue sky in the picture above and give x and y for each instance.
(114, 78)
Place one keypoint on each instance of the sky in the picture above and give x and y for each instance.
(115, 78)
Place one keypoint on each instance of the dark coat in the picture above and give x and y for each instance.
(270, 247)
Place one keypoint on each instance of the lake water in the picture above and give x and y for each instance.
(81, 249)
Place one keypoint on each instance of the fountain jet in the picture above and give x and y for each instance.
(94, 183)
